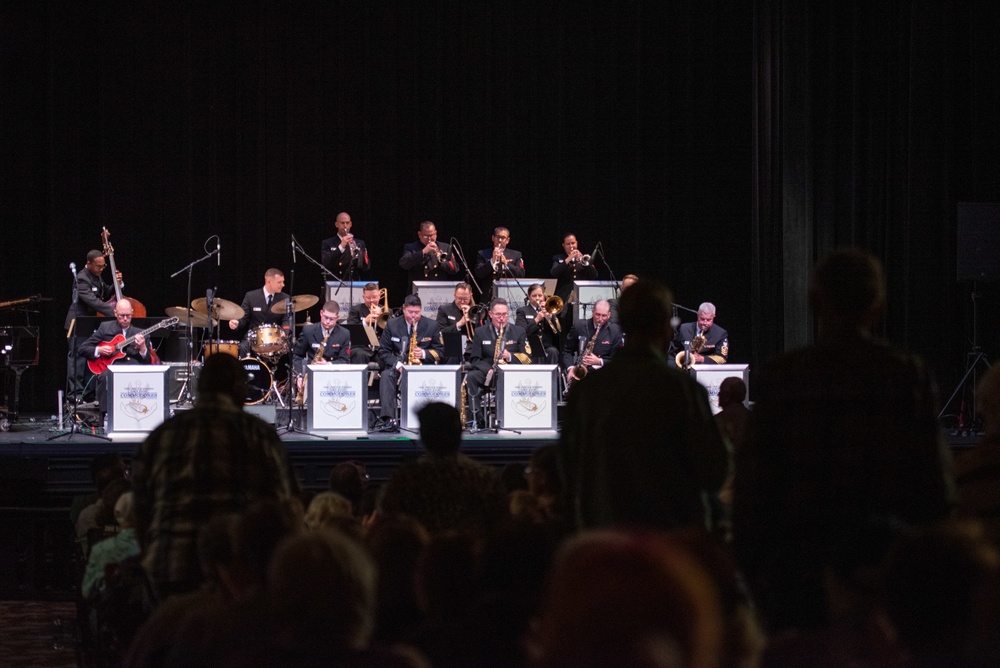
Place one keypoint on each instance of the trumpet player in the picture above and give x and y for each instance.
(584, 336)
(498, 262)
(322, 342)
(540, 327)
(394, 350)
(569, 266)
(715, 350)
(425, 259)
(344, 254)
(458, 316)
(366, 313)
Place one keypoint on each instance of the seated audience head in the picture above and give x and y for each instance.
(617, 598)
(223, 375)
(988, 400)
(322, 586)
(847, 290)
(543, 471)
(732, 390)
(349, 479)
(125, 510)
(440, 429)
(256, 534)
(326, 509)
(646, 310)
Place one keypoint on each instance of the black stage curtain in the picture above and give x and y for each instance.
(871, 122)
(662, 129)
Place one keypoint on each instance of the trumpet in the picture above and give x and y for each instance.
(585, 260)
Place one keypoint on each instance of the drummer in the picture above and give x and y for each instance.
(258, 309)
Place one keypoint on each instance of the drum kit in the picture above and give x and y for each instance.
(265, 375)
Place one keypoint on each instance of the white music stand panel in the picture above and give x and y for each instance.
(589, 293)
(515, 289)
(346, 294)
(337, 398)
(527, 395)
(425, 383)
(433, 295)
(138, 398)
(712, 375)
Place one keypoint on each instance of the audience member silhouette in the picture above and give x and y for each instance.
(638, 443)
(445, 490)
(212, 459)
(841, 430)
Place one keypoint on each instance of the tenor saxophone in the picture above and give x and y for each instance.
(300, 398)
(580, 370)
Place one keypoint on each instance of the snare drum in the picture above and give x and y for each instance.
(259, 380)
(267, 340)
(231, 348)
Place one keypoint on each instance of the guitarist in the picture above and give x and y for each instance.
(92, 295)
(98, 345)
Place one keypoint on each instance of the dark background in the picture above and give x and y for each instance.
(719, 146)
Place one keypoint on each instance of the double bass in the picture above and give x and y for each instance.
(138, 310)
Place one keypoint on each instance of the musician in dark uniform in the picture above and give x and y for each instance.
(345, 255)
(497, 262)
(716, 348)
(568, 267)
(336, 350)
(426, 259)
(98, 345)
(257, 306)
(538, 327)
(485, 348)
(582, 333)
(394, 349)
(455, 317)
(91, 297)
(365, 313)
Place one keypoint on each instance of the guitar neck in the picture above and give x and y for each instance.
(130, 340)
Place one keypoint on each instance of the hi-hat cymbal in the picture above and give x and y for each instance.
(197, 319)
(223, 309)
(299, 303)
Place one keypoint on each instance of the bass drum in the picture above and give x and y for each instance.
(259, 380)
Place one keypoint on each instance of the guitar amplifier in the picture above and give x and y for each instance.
(19, 345)
(177, 375)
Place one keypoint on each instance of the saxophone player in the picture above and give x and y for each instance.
(321, 343)
(395, 350)
(715, 349)
(497, 342)
(592, 342)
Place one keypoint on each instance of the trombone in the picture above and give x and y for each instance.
(380, 310)
(553, 307)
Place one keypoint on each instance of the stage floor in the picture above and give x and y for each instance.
(51, 465)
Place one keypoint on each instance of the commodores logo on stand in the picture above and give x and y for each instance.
(432, 390)
(529, 398)
(338, 400)
(139, 401)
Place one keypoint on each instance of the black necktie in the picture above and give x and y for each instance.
(270, 298)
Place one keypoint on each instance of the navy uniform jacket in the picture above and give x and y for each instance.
(566, 273)
(420, 267)
(357, 314)
(448, 315)
(540, 336)
(484, 345)
(715, 350)
(339, 261)
(608, 341)
(257, 312)
(395, 341)
(92, 296)
(108, 330)
(485, 272)
(337, 349)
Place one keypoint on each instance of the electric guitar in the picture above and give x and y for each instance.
(120, 343)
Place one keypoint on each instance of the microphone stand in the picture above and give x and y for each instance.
(292, 380)
(456, 249)
(186, 396)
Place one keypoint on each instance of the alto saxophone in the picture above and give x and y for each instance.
(411, 352)
(497, 356)
(580, 370)
(300, 398)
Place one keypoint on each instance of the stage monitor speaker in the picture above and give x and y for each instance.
(978, 245)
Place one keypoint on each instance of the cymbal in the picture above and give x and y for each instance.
(197, 319)
(223, 308)
(299, 303)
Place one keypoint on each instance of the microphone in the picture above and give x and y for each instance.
(218, 252)
(293, 250)
(72, 267)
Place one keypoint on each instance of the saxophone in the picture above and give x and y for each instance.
(580, 370)
(497, 356)
(411, 357)
(683, 358)
(300, 398)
